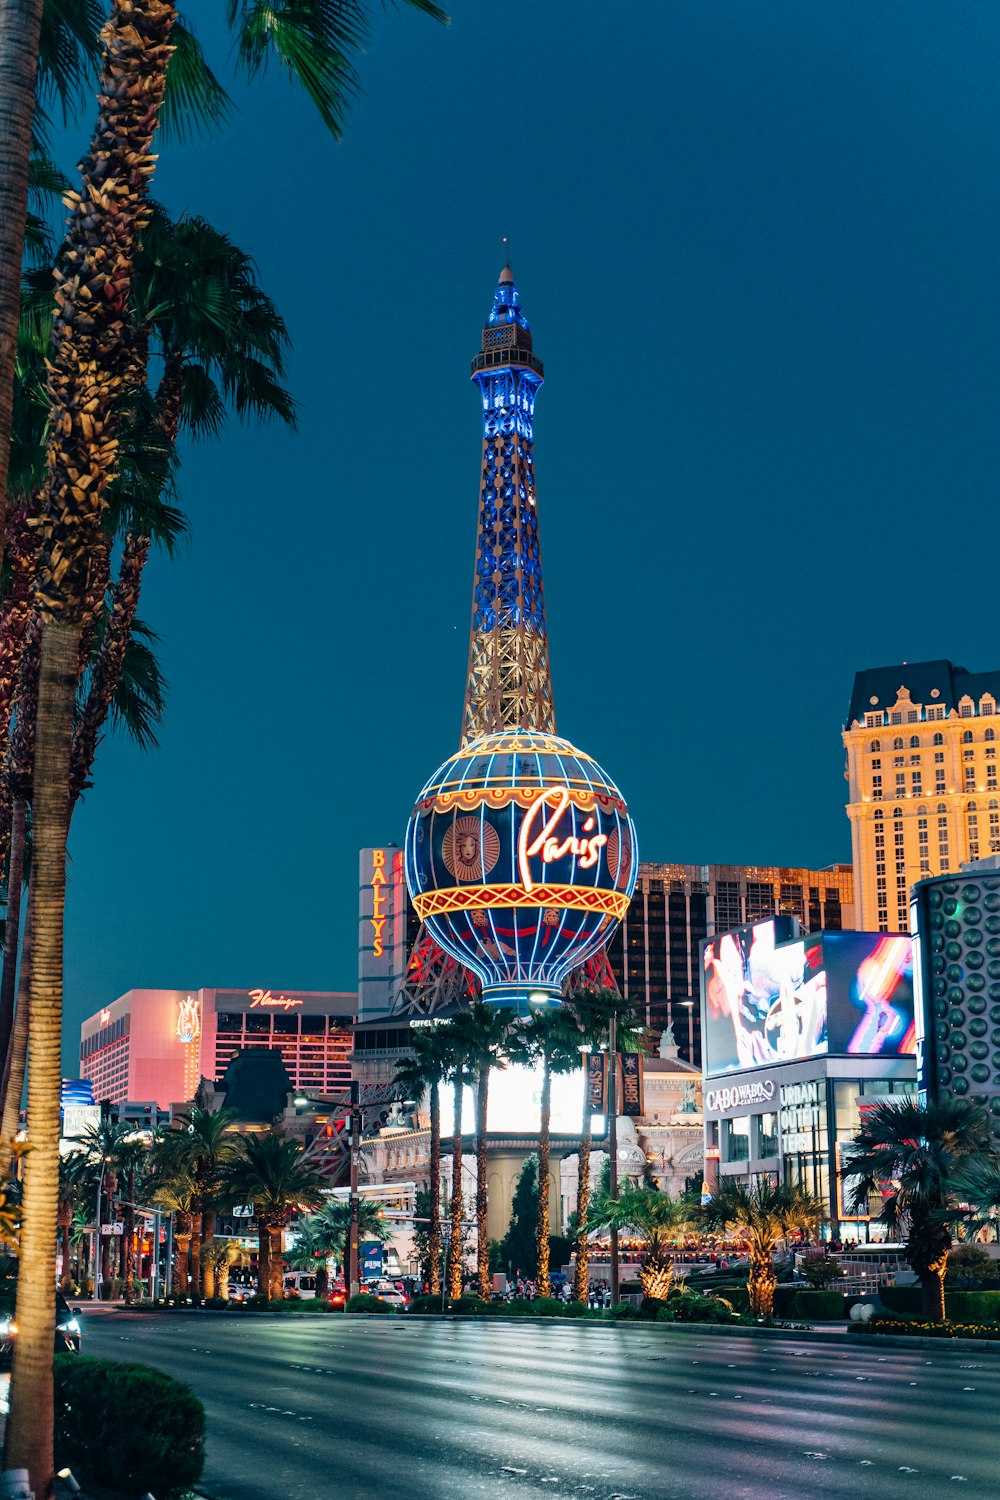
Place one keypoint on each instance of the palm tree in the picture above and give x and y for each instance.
(656, 1218)
(324, 1234)
(977, 1184)
(200, 1147)
(220, 1256)
(483, 1030)
(551, 1038)
(765, 1212)
(457, 1073)
(594, 1010)
(422, 1073)
(106, 1148)
(275, 1177)
(132, 1158)
(920, 1149)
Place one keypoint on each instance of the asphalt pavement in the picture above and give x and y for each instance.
(301, 1408)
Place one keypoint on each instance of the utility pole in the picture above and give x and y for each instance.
(353, 1277)
(613, 1144)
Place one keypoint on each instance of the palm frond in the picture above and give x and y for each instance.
(194, 101)
(139, 702)
(68, 49)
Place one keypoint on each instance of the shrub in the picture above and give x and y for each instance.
(821, 1306)
(215, 1302)
(649, 1307)
(427, 1302)
(973, 1307)
(901, 1299)
(127, 1426)
(624, 1311)
(466, 1304)
(363, 1303)
(968, 1265)
(821, 1270)
(784, 1301)
(917, 1329)
(737, 1296)
(693, 1307)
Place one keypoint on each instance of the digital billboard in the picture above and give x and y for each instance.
(767, 1001)
(514, 1106)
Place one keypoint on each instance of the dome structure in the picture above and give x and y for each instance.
(521, 858)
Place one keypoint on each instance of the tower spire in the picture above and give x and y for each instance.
(509, 683)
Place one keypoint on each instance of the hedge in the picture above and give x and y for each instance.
(900, 1299)
(973, 1307)
(362, 1303)
(127, 1426)
(826, 1306)
(916, 1329)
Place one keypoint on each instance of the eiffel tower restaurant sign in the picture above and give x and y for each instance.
(521, 859)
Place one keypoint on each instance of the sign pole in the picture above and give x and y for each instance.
(613, 1145)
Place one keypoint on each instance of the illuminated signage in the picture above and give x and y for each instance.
(529, 844)
(105, 1017)
(266, 1001)
(737, 1095)
(378, 900)
(800, 1115)
(188, 1020)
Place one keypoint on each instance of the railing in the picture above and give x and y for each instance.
(499, 358)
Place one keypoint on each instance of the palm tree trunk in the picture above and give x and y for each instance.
(196, 1256)
(28, 1439)
(128, 1270)
(17, 1052)
(208, 1265)
(12, 930)
(182, 1250)
(322, 1281)
(20, 26)
(761, 1283)
(455, 1244)
(544, 1136)
(263, 1261)
(932, 1304)
(581, 1276)
(483, 1283)
(275, 1286)
(434, 1231)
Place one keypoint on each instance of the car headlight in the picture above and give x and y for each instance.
(7, 1327)
(72, 1326)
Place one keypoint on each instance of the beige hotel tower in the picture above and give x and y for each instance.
(921, 741)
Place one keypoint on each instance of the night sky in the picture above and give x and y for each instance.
(758, 247)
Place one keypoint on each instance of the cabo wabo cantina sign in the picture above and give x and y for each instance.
(521, 859)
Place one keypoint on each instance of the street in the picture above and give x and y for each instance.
(300, 1408)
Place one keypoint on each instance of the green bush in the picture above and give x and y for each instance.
(624, 1311)
(127, 1426)
(215, 1302)
(820, 1306)
(738, 1296)
(969, 1266)
(363, 1303)
(821, 1270)
(467, 1304)
(914, 1328)
(427, 1302)
(899, 1299)
(649, 1307)
(784, 1301)
(973, 1307)
(694, 1307)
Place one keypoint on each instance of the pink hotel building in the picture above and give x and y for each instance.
(153, 1046)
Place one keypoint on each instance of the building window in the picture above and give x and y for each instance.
(936, 711)
(876, 765)
(873, 721)
(736, 1139)
(899, 760)
(939, 757)
(939, 739)
(914, 742)
(990, 734)
(965, 711)
(875, 746)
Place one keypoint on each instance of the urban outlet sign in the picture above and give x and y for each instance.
(739, 1095)
(800, 1115)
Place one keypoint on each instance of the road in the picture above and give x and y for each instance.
(371, 1409)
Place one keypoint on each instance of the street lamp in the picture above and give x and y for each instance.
(689, 1007)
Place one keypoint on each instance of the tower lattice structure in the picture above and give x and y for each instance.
(509, 683)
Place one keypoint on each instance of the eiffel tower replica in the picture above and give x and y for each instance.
(509, 681)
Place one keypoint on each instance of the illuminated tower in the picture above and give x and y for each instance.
(510, 682)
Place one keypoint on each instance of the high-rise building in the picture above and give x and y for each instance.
(655, 955)
(922, 774)
(154, 1046)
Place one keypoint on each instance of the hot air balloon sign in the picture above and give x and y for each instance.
(521, 859)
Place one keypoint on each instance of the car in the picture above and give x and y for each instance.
(67, 1339)
(385, 1291)
(300, 1284)
(337, 1295)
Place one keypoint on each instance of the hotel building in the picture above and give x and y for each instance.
(155, 1045)
(655, 954)
(921, 742)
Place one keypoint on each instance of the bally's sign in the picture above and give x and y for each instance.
(739, 1096)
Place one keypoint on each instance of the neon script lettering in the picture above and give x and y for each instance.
(378, 899)
(530, 844)
(265, 999)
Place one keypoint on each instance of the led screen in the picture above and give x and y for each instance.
(767, 1001)
(514, 1106)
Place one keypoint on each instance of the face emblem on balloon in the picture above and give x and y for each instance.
(521, 859)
